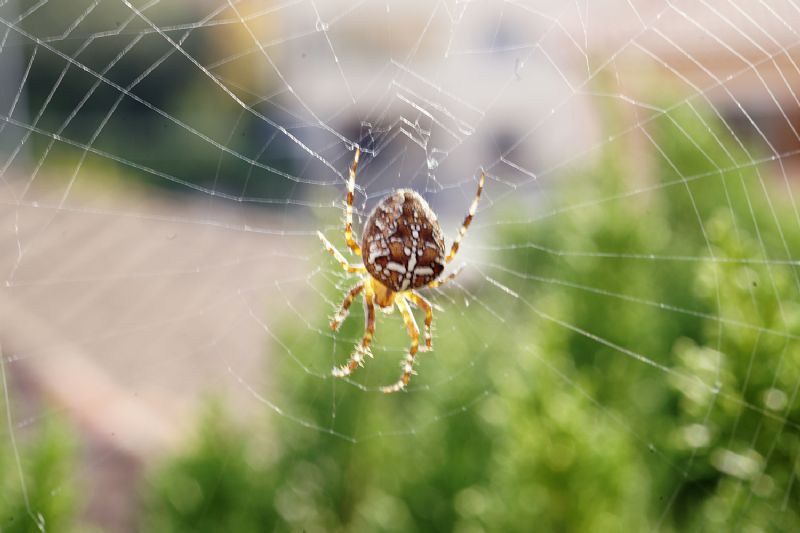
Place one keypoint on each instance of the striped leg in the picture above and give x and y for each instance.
(341, 314)
(339, 257)
(362, 349)
(408, 364)
(467, 221)
(425, 305)
(441, 281)
(348, 224)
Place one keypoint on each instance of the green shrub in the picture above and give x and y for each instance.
(45, 499)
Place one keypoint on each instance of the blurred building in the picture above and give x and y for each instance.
(468, 82)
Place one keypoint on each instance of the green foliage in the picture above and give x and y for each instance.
(615, 391)
(46, 500)
(217, 486)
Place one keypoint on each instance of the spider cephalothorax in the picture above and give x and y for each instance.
(403, 250)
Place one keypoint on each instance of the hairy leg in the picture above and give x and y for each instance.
(408, 363)
(441, 281)
(344, 309)
(426, 306)
(362, 348)
(348, 224)
(467, 221)
(339, 257)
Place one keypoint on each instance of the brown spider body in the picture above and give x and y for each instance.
(402, 249)
(402, 242)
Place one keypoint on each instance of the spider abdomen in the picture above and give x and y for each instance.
(402, 244)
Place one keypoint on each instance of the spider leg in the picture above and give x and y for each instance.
(467, 221)
(441, 281)
(408, 363)
(426, 306)
(339, 257)
(362, 348)
(341, 314)
(348, 225)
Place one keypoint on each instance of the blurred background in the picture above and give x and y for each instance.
(620, 352)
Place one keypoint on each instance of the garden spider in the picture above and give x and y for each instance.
(404, 249)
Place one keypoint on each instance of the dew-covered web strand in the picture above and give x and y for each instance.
(126, 91)
(15, 152)
(755, 126)
(88, 147)
(697, 214)
(554, 23)
(573, 91)
(634, 299)
(712, 388)
(353, 438)
(36, 517)
(684, 182)
(751, 66)
(423, 110)
(205, 24)
(771, 57)
(639, 125)
(23, 81)
(72, 115)
(235, 98)
(708, 412)
(649, 361)
(163, 114)
(323, 26)
(634, 256)
(786, 410)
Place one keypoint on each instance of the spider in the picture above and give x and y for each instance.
(403, 250)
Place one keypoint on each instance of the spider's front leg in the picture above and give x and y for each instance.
(467, 220)
(351, 188)
(362, 349)
(408, 364)
(344, 309)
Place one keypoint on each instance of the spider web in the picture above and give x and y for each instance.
(165, 166)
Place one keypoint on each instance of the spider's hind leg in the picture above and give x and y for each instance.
(344, 309)
(362, 348)
(426, 306)
(408, 363)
